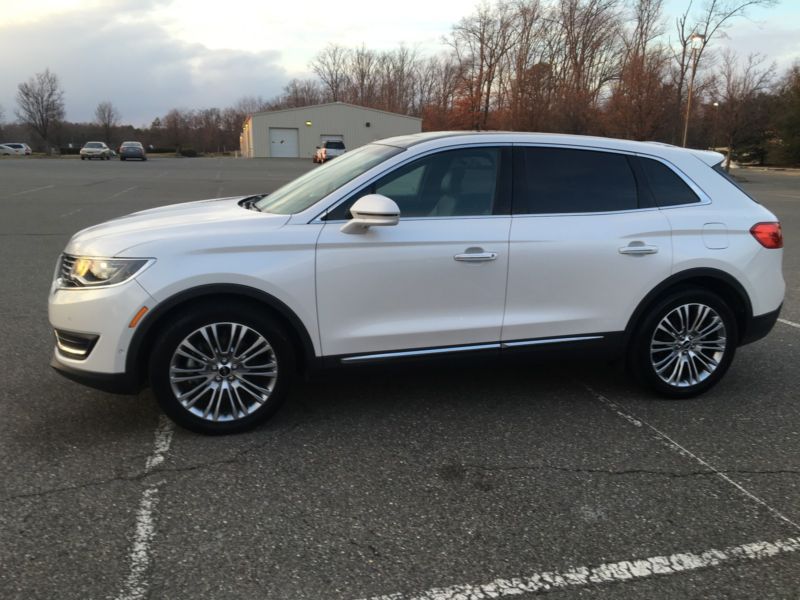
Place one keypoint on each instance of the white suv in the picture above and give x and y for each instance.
(421, 246)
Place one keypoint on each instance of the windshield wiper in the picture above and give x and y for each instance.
(250, 203)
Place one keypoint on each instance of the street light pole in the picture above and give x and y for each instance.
(697, 40)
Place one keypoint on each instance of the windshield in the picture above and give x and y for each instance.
(93, 145)
(334, 145)
(298, 195)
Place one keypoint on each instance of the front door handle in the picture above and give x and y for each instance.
(638, 249)
(475, 255)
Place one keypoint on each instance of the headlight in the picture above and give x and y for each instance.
(85, 271)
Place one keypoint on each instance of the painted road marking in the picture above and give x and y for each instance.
(136, 583)
(625, 570)
(38, 189)
(789, 323)
(133, 187)
(111, 197)
(676, 447)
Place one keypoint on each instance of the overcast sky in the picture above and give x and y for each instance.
(147, 56)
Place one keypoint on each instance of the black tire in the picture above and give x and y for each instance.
(164, 353)
(122, 158)
(703, 359)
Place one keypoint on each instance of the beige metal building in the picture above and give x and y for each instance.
(296, 132)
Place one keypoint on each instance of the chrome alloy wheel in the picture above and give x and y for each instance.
(223, 371)
(688, 345)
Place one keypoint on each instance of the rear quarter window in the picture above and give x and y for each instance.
(666, 185)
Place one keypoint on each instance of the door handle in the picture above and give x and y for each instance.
(638, 249)
(475, 256)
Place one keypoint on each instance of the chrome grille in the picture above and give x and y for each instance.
(65, 271)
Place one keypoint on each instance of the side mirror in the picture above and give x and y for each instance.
(373, 210)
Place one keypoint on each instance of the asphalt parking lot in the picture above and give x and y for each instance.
(447, 483)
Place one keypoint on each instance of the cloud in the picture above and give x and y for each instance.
(109, 55)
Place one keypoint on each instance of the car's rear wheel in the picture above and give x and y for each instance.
(685, 343)
(221, 369)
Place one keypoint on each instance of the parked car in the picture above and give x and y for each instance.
(132, 150)
(18, 147)
(7, 150)
(424, 246)
(92, 150)
(328, 150)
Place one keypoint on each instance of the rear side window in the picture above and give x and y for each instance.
(561, 180)
(667, 187)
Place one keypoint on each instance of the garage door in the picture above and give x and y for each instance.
(283, 143)
(331, 137)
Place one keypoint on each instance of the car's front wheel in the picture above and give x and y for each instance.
(221, 369)
(685, 343)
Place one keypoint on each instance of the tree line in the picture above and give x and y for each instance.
(600, 67)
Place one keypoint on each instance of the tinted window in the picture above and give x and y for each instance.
(454, 183)
(560, 180)
(667, 187)
(334, 145)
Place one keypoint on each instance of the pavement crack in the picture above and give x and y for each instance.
(451, 471)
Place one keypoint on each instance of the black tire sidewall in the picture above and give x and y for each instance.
(177, 331)
(639, 354)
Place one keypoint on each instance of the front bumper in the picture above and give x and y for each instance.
(115, 383)
(104, 313)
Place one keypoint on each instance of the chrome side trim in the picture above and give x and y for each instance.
(550, 341)
(494, 346)
(403, 353)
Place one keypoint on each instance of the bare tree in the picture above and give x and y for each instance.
(738, 88)
(700, 27)
(636, 108)
(40, 102)
(107, 116)
(330, 65)
(300, 92)
(481, 42)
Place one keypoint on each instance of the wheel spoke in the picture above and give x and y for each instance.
(696, 332)
(210, 376)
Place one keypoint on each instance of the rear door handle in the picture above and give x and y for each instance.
(638, 249)
(475, 256)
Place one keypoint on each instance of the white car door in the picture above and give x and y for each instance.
(586, 246)
(435, 280)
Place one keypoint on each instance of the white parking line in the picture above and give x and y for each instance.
(136, 583)
(38, 189)
(676, 447)
(133, 187)
(789, 323)
(625, 570)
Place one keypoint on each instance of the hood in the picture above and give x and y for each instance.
(200, 220)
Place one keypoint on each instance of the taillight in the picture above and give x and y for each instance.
(768, 235)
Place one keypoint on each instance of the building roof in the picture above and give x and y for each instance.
(283, 110)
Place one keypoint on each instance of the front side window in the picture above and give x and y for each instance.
(562, 180)
(305, 191)
(667, 187)
(453, 183)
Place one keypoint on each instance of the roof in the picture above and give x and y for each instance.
(555, 139)
(299, 108)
